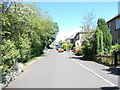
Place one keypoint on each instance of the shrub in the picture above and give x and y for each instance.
(24, 48)
(105, 37)
(79, 51)
(10, 54)
(25, 33)
(70, 46)
(88, 51)
(64, 46)
(8, 77)
(116, 47)
(108, 61)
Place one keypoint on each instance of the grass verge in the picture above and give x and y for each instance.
(35, 58)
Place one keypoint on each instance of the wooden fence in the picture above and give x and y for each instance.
(112, 60)
(106, 59)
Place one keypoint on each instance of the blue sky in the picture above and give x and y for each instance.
(69, 15)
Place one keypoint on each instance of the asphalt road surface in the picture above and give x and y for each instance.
(57, 70)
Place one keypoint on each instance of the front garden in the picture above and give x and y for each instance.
(99, 47)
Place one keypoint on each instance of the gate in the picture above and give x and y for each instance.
(117, 58)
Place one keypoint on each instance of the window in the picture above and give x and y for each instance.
(109, 25)
(118, 40)
(77, 37)
(118, 23)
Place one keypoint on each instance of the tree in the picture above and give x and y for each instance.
(89, 20)
(26, 31)
(4, 6)
(88, 50)
(107, 38)
(88, 25)
(64, 46)
(98, 43)
(61, 42)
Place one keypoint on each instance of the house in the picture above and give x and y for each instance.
(77, 39)
(74, 39)
(114, 26)
(80, 37)
(70, 39)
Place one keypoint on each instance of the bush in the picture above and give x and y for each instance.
(107, 61)
(25, 34)
(8, 77)
(24, 48)
(64, 46)
(79, 51)
(10, 54)
(116, 47)
(88, 51)
(70, 46)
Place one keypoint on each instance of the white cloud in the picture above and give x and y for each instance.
(63, 34)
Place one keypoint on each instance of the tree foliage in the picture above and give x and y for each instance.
(27, 29)
(107, 38)
(88, 25)
(89, 50)
(89, 20)
(98, 43)
(61, 42)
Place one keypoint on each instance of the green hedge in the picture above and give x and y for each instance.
(10, 55)
(80, 51)
(26, 31)
(116, 47)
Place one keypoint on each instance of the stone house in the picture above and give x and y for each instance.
(114, 26)
(77, 39)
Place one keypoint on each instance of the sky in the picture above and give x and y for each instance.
(69, 15)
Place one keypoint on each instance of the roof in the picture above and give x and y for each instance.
(71, 37)
(82, 32)
(118, 15)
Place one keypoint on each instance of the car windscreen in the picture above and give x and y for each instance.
(58, 47)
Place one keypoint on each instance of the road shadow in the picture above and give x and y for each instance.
(110, 88)
(78, 58)
(113, 70)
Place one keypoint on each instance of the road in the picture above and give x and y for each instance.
(57, 70)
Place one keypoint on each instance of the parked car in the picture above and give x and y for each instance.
(58, 46)
(60, 50)
(74, 50)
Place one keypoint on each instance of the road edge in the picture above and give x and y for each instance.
(95, 74)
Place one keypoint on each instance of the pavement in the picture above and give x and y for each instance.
(65, 70)
(111, 74)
